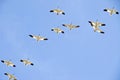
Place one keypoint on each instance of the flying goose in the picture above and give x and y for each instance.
(58, 11)
(70, 26)
(96, 26)
(38, 38)
(8, 63)
(10, 76)
(26, 62)
(111, 11)
(57, 30)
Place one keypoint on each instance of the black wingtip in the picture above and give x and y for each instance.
(52, 29)
(2, 61)
(14, 65)
(63, 13)
(117, 12)
(51, 11)
(62, 32)
(21, 60)
(89, 21)
(103, 24)
(45, 38)
(31, 35)
(105, 10)
(63, 24)
(77, 26)
(102, 32)
(32, 64)
(5, 73)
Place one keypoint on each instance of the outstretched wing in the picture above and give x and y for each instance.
(100, 24)
(107, 10)
(92, 23)
(100, 31)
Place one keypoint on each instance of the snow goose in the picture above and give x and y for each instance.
(57, 30)
(58, 11)
(96, 25)
(10, 76)
(70, 26)
(111, 11)
(38, 38)
(26, 62)
(8, 63)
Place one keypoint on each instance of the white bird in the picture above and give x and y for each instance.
(70, 26)
(10, 76)
(58, 11)
(26, 62)
(57, 30)
(96, 25)
(38, 38)
(111, 11)
(8, 63)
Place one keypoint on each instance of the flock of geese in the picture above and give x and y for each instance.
(10, 63)
(95, 25)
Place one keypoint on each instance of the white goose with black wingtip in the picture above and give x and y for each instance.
(111, 11)
(96, 25)
(26, 62)
(10, 76)
(38, 38)
(57, 30)
(8, 63)
(70, 26)
(58, 11)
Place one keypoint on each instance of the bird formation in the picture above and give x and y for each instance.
(9, 63)
(95, 25)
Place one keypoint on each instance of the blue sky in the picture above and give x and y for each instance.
(79, 54)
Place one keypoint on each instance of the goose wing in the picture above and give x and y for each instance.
(65, 25)
(100, 24)
(107, 10)
(98, 30)
(92, 23)
(115, 11)
(42, 38)
(11, 64)
(75, 26)
(33, 36)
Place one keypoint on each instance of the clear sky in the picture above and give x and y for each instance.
(79, 54)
